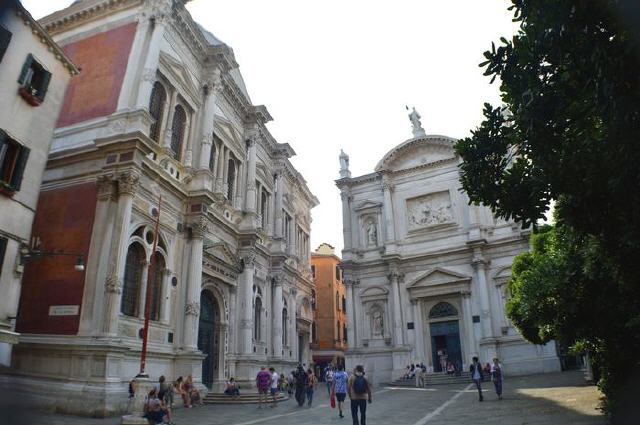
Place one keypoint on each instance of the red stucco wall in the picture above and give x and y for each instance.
(64, 221)
(103, 61)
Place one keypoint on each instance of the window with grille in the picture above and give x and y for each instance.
(264, 208)
(34, 81)
(257, 320)
(285, 320)
(132, 278)
(13, 161)
(178, 127)
(231, 177)
(156, 110)
(212, 156)
(156, 288)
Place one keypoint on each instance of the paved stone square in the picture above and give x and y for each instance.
(553, 399)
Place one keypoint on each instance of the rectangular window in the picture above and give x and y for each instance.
(5, 39)
(337, 273)
(13, 159)
(34, 81)
(313, 271)
(3, 249)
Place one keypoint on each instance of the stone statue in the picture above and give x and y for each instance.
(344, 165)
(378, 323)
(416, 125)
(372, 234)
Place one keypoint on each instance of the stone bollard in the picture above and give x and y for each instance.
(142, 386)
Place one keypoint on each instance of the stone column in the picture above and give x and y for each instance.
(127, 185)
(277, 317)
(351, 335)
(225, 173)
(246, 292)
(293, 236)
(293, 324)
(233, 320)
(142, 295)
(397, 310)
(251, 176)
(479, 266)
(194, 285)
(161, 14)
(346, 219)
(168, 131)
(211, 89)
(387, 189)
(165, 297)
(467, 317)
(419, 331)
(358, 324)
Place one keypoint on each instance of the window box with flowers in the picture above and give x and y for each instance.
(13, 160)
(34, 82)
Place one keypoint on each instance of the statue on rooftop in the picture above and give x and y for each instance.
(344, 165)
(416, 125)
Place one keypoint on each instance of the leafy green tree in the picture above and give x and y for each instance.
(569, 130)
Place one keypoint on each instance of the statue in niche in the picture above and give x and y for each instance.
(378, 323)
(372, 234)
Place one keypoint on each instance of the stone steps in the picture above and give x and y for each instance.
(434, 379)
(251, 398)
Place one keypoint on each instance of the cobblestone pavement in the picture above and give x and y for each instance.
(551, 399)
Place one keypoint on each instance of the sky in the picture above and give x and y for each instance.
(337, 74)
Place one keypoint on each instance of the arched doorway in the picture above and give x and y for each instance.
(208, 337)
(444, 329)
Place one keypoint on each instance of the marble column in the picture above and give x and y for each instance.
(246, 292)
(346, 219)
(233, 328)
(479, 266)
(277, 317)
(142, 295)
(467, 317)
(211, 90)
(351, 335)
(397, 309)
(161, 17)
(418, 329)
(194, 284)
(387, 189)
(279, 213)
(165, 304)
(251, 176)
(127, 185)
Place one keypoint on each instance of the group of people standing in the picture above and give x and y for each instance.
(300, 381)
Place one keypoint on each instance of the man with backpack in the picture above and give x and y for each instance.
(360, 394)
(301, 385)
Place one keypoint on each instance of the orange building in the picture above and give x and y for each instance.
(330, 330)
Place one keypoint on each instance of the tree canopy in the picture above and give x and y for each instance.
(568, 130)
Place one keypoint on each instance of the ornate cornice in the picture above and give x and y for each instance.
(81, 12)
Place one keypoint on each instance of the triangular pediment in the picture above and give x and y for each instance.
(366, 205)
(437, 276)
(227, 133)
(179, 72)
(223, 252)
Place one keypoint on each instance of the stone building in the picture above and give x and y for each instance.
(425, 271)
(330, 313)
(34, 73)
(160, 124)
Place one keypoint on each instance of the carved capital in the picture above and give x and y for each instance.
(388, 186)
(128, 182)
(113, 285)
(249, 260)
(199, 227)
(192, 309)
(106, 188)
(278, 280)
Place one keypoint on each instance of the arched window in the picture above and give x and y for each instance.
(257, 319)
(231, 178)
(285, 320)
(338, 331)
(156, 287)
(263, 209)
(212, 156)
(156, 109)
(132, 276)
(178, 128)
(337, 301)
(442, 309)
(344, 333)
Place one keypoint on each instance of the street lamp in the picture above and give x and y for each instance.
(35, 253)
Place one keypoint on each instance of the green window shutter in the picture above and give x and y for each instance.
(3, 249)
(46, 79)
(23, 156)
(25, 70)
(5, 38)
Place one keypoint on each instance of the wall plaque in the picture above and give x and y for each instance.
(64, 310)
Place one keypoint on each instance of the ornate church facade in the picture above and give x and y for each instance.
(425, 271)
(160, 127)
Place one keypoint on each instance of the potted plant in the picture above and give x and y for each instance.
(6, 189)
(30, 95)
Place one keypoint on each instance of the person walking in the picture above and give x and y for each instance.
(311, 386)
(275, 386)
(328, 378)
(497, 377)
(263, 383)
(360, 394)
(340, 387)
(301, 385)
(476, 376)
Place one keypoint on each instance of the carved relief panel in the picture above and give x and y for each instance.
(434, 209)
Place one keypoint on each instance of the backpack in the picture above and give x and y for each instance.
(360, 385)
(300, 378)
